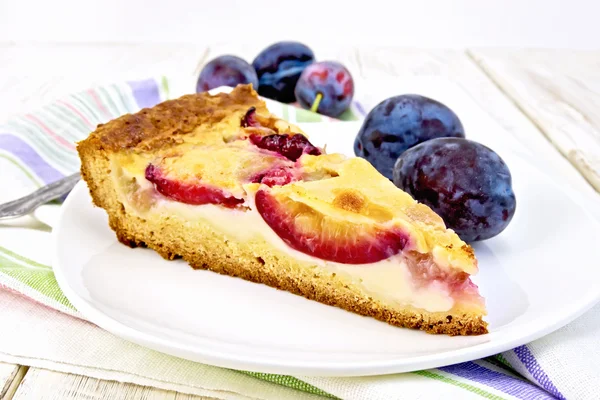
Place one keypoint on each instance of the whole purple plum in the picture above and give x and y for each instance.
(226, 71)
(400, 122)
(332, 81)
(278, 68)
(464, 182)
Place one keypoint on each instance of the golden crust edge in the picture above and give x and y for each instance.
(162, 124)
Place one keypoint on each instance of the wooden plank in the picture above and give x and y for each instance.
(18, 378)
(560, 92)
(42, 384)
(8, 374)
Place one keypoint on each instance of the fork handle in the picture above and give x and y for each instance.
(27, 204)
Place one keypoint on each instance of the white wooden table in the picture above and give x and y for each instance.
(548, 100)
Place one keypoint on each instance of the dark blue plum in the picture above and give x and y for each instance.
(333, 81)
(278, 68)
(226, 71)
(464, 182)
(398, 123)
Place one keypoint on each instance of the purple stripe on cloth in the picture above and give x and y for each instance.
(145, 92)
(536, 370)
(360, 108)
(506, 384)
(29, 157)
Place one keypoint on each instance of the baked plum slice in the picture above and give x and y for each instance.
(291, 146)
(327, 238)
(277, 176)
(189, 191)
(288, 145)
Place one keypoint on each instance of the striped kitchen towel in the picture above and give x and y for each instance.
(38, 148)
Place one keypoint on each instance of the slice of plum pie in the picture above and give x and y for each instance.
(223, 184)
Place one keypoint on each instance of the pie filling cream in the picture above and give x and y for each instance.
(220, 182)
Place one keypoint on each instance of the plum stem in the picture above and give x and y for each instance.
(315, 105)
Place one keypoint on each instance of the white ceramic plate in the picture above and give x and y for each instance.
(538, 275)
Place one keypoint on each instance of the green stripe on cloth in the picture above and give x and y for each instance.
(348, 115)
(126, 103)
(23, 169)
(40, 280)
(472, 389)
(63, 114)
(307, 116)
(44, 145)
(165, 87)
(123, 93)
(286, 112)
(504, 361)
(499, 361)
(25, 260)
(109, 102)
(62, 121)
(289, 381)
(81, 102)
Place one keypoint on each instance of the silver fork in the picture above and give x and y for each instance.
(29, 203)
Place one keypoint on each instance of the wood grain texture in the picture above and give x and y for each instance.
(42, 384)
(560, 92)
(8, 372)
